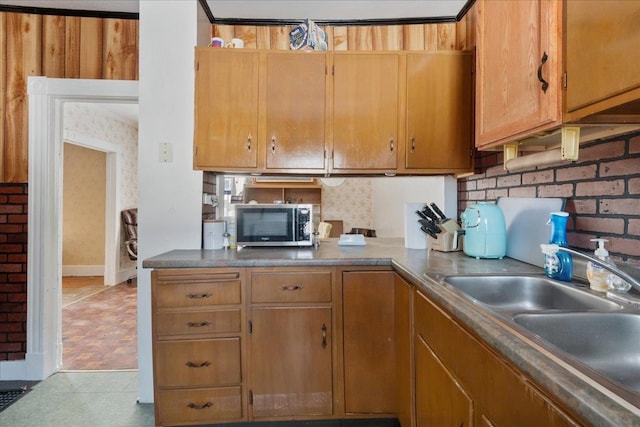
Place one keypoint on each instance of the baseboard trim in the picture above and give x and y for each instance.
(83, 270)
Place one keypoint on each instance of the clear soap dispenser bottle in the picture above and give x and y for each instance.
(600, 279)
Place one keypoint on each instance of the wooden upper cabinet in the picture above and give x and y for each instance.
(295, 110)
(439, 110)
(518, 50)
(365, 111)
(226, 110)
(602, 45)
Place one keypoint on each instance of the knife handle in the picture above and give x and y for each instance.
(437, 210)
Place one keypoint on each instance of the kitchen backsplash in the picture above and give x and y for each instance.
(602, 190)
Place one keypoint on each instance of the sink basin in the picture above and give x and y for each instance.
(606, 342)
(513, 293)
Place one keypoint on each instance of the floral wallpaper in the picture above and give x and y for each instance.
(97, 122)
(350, 201)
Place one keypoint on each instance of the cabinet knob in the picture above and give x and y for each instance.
(413, 144)
(197, 324)
(292, 287)
(249, 138)
(392, 146)
(198, 296)
(273, 144)
(545, 84)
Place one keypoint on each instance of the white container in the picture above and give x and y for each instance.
(213, 233)
(414, 238)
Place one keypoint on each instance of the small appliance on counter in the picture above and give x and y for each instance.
(484, 231)
(274, 224)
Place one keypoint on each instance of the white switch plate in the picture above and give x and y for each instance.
(166, 152)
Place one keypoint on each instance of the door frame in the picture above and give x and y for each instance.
(44, 254)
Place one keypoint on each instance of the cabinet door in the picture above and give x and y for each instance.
(226, 109)
(295, 110)
(602, 53)
(440, 399)
(291, 363)
(510, 99)
(369, 343)
(365, 111)
(439, 96)
(403, 307)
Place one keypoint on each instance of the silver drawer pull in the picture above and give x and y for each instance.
(203, 406)
(197, 324)
(292, 287)
(198, 296)
(198, 365)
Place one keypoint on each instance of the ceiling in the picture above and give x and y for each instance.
(285, 10)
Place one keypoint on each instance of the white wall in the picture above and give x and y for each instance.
(169, 194)
(389, 196)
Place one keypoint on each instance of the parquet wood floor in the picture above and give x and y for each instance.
(99, 325)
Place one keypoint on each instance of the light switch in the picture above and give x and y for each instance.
(166, 152)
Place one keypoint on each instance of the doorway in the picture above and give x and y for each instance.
(46, 134)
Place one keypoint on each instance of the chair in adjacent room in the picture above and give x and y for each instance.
(130, 225)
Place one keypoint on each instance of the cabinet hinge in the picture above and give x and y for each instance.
(333, 70)
(197, 66)
(564, 80)
(250, 326)
(250, 397)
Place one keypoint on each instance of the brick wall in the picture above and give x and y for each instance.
(13, 271)
(602, 190)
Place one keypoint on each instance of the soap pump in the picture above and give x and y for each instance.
(600, 279)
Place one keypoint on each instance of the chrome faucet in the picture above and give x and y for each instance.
(633, 280)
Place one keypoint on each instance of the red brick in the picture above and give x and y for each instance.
(509, 180)
(600, 225)
(16, 317)
(522, 192)
(620, 167)
(477, 195)
(16, 356)
(606, 150)
(468, 185)
(19, 277)
(10, 347)
(581, 240)
(11, 268)
(17, 297)
(634, 145)
(11, 228)
(633, 228)
(18, 199)
(494, 194)
(600, 188)
(17, 219)
(11, 288)
(563, 190)
(17, 338)
(11, 327)
(486, 183)
(11, 209)
(12, 189)
(22, 258)
(581, 206)
(620, 245)
(538, 177)
(620, 206)
(576, 173)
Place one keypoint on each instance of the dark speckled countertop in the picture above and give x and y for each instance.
(597, 405)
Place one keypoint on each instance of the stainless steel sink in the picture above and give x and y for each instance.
(606, 342)
(513, 293)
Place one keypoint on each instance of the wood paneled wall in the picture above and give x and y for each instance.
(453, 36)
(60, 47)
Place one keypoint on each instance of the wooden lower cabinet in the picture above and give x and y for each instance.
(198, 340)
(291, 343)
(461, 382)
(369, 342)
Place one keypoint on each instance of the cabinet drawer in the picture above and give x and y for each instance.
(295, 286)
(198, 322)
(179, 407)
(213, 362)
(197, 294)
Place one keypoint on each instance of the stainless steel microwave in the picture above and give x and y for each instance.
(274, 224)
